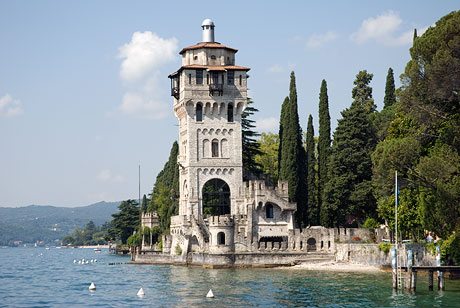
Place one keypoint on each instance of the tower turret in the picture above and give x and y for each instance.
(208, 31)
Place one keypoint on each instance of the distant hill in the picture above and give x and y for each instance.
(36, 223)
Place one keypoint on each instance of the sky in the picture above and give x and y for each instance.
(84, 94)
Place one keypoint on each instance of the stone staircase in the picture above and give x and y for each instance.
(201, 232)
(315, 257)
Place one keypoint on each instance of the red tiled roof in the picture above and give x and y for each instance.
(211, 68)
(207, 45)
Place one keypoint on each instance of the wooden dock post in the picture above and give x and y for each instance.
(394, 265)
(414, 280)
(430, 280)
(409, 275)
(441, 285)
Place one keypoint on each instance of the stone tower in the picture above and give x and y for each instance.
(210, 94)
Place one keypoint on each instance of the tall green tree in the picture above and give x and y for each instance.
(165, 194)
(390, 97)
(426, 130)
(145, 204)
(312, 193)
(292, 163)
(283, 114)
(126, 220)
(251, 148)
(268, 159)
(348, 195)
(324, 144)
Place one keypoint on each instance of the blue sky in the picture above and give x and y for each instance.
(84, 93)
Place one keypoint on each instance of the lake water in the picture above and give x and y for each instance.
(36, 277)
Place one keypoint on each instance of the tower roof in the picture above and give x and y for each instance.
(207, 45)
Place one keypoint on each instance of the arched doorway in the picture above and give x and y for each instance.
(311, 244)
(216, 198)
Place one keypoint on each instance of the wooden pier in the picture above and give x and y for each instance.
(411, 275)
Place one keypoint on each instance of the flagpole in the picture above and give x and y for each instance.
(396, 208)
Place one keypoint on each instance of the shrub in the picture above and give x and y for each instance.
(385, 247)
(178, 250)
(356, 238)
(450, 249)
(371, 223)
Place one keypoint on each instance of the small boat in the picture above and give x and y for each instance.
(96, 250)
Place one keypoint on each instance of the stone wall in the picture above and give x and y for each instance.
(370, 254)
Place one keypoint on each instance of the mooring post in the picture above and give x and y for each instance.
(440, 273)
(394, 265)
(410, 262)
(414, 281)
(430, 280)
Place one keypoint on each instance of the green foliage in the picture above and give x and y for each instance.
(145, 204)
(251, 148)
(450, 249)
(324, 144)
(371, 223)
(423, 140)
(385, 247)
(268, 158)
(134, 239)
(165, 194)
(390, 97)
(91, 235)
(178, 250)
(292, 162)
(126, 221)
(348, 195)
(312, 193)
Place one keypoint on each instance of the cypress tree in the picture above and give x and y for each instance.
(311, 175)
(284, 110)
(324, 143)
(166, 190)
(145, 204)
(348, 195)
(251, 148)
(292, 163)
(390, 97)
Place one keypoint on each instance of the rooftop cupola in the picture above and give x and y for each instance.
(208, 31)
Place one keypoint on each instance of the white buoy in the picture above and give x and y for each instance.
(74, 261)
(140, 292)
(92, 286)
(210, 294)
(91, 261)
(79, 261)
(95, 260)
(87, 261)
(83, 260)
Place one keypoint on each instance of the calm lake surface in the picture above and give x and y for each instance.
(37, 277)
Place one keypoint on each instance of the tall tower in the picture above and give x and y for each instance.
(210, 94)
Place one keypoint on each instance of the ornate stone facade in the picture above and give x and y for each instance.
(210, 95)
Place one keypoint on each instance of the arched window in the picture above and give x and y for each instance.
(215, 148)
(230, 113)
(199, 113)
(221, 238)
(269, 210)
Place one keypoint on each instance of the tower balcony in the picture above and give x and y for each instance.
(175, 92)
(218, 87)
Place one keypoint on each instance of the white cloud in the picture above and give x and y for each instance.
(107, 176)
(267, 125)
(10, 107)
(276, 69)
(142, 107)
(145, 53)
(317, 40)
(384, 29)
